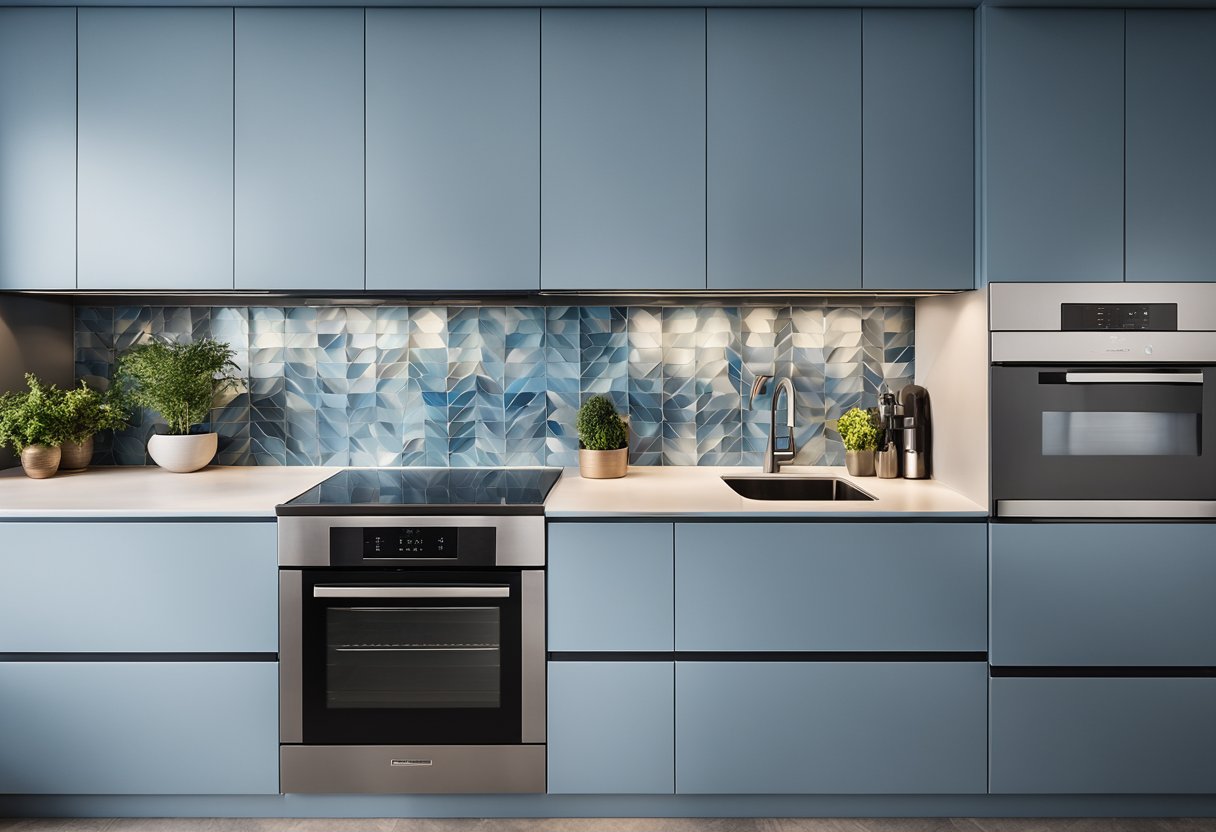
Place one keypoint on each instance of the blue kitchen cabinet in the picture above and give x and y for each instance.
(918, 222)
(831, 587)
(610, 587)
(784, 148)
(138, 587)
(831, 727)
(299, 149)
(1053, 145)
(1171, 134)
(140, 728)
(611, 728)
(1103, 735)
(623, 149)
(1118, 594)
(453, 149)
(155, 148)
(37, 148)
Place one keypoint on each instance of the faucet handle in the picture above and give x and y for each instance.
(758, 387)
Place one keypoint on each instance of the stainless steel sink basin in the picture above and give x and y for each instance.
(775, 487)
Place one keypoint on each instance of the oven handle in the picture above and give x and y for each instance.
(1133, 378)
(411, 592)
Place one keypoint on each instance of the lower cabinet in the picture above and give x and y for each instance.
(1103, 735)
(611, 728)
(139, 728)
(831, 727)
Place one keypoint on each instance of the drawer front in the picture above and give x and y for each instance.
(139, 728)
(1103, 735)
(610, 586)
(1103, 594)
(845, 587)
(138, 587)
(830, 728)
(611, 728)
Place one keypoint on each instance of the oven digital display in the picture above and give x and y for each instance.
(410, 542)
(1098, 317)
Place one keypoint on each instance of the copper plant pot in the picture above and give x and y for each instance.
(603, 465)
(76, 455)
(40, 461)
(860, 463)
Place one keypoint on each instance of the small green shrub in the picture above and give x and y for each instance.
(89, 412)
(857, 430)
(36, 417)
(178, 381)
(599, 426)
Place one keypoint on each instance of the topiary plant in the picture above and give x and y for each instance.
(857, 430)
(37, 417)
(88, 412)
(178, 381)
(599, 426)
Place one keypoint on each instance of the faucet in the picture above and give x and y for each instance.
(774, 455)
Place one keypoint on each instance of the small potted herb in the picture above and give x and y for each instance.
(87, 413)
(33, 425)
(180, 382)
(603, 440)
(860, 437)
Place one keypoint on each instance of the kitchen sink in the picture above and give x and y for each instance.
(774, 487)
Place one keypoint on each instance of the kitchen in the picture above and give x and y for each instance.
(417, 243)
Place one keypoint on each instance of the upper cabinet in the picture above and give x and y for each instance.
(1053, 133)
(784, 149)
(918, 220)
(299, 149)
(1171, 145)
(155, 148)
(37, 148)
(623, 149)
(453, 149)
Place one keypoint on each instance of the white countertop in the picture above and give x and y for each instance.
(700, 492)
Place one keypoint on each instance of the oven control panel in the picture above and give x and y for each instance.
(410, 542)
(1098, 317)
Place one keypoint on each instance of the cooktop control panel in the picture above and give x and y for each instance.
(1097, 317)
(418, 542)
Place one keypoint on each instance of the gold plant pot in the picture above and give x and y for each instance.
(603, 465)
(859, 463)
(40, 461)
(76, 456)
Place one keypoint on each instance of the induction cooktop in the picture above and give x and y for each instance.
(406, 491)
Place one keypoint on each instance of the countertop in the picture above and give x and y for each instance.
(253, 492)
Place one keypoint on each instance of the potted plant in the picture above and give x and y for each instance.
(87, 413)
(603, 440)
(178, 381)
(33, 425)
(860, 437)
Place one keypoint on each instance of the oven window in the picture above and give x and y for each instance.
(413, 657)
(1120, 433)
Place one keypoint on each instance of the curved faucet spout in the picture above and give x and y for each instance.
(774, 456)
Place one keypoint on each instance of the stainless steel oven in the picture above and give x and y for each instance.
(1103, 400)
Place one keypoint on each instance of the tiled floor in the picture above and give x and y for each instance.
(615, 825)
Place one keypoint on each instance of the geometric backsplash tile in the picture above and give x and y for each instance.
(500, 385)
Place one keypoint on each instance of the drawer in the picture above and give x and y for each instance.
(138, 587)
(1103, 735)
(831, 586)
(610, 587)
(611, 728)
(831, 727)
(139, 728)
(1103, 594)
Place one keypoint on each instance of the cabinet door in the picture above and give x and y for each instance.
(611, 728)
(1053, 136)
(623, 149)
(918, 226)
(784, 149)
(299, 149)
(610, 587)
(1171, 145)
(155, 148)
(453, 149)
(37, 149)
(831, 727)
(139, 728)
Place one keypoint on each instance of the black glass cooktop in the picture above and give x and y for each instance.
(427, 491)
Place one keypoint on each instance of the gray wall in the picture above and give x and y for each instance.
(35, 337)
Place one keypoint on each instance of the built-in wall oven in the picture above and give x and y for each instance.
(412, 633)
(1103, 400)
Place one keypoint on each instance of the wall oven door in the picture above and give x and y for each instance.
(1105, 440)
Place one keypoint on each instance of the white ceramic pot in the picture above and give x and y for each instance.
(183, 454)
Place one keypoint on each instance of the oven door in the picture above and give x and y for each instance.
(411, 658)
(1143, 437)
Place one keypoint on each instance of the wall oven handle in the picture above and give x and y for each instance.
(1134, 378)
(411, 592)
